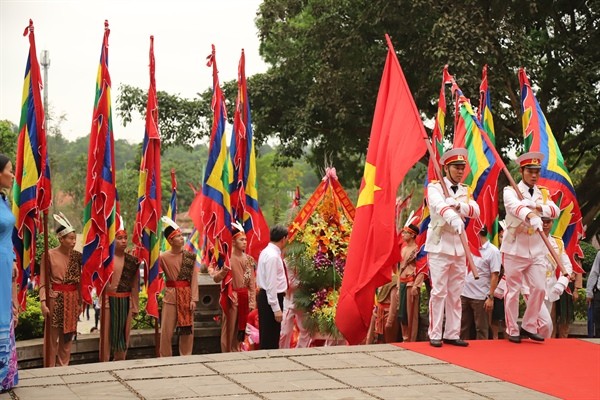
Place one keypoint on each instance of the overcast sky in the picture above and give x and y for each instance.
(72, 32)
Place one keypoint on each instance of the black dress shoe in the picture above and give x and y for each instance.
(532, 336)
(456, 342)
(435, 342)
(514, 339)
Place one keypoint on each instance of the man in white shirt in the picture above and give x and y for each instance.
(592, 293)
(477, 298)
(271, 279)
(523, 249)
(445, 253)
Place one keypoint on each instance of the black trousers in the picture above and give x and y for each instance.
(596, 313)
(268, 328)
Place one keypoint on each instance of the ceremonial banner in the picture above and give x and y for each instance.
(32, 191)
(149, 211)
(244, 191)
(216, 203)
(99, 214)
(396, 144)
(554, 175)
(172, 210)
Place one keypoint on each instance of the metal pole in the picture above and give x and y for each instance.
(45, 62)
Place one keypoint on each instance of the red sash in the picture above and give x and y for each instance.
(177, 284)
(243, 308)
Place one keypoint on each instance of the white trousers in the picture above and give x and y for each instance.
(533, 273)
(447, 281)
(287, 330)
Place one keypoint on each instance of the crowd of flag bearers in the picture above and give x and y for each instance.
(451, 244)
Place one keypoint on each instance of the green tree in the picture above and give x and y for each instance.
(8, 139)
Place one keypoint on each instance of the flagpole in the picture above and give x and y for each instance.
(512, 183)
(46, 282)
(462, 235)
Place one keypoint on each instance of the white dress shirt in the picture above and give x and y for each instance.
(270, 274)
(489, 262)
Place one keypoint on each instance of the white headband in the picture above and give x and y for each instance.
(64, 222)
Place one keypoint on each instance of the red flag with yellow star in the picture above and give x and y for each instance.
(396, 145)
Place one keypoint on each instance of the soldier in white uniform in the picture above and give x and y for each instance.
(446, 255)
(523, 249)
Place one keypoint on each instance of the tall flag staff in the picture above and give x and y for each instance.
(172, 210)
(149, 211)
(554, 174)
(394, 147)
(100, 194)
(215, 207)
(32, 191)
(244, 191)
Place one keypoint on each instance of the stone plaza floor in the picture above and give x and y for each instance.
(336, 372)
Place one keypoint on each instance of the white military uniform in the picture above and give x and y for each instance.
(524, 254)
(554, 286)
(446, 255)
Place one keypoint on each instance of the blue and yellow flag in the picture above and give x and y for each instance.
(172, 210)
(218, 178)
(100, 210)
(32, 192)
(554, 175)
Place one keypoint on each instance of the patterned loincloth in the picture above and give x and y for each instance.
(185, 317)
(66, 303)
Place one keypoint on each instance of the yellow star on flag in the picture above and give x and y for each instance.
(367, 194)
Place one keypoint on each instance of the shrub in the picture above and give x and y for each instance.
(31, 321)
(143, 320)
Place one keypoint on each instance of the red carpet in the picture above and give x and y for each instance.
(565, 368)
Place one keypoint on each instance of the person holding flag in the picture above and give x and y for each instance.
(523, 249)
(61, 301)
(122, 305)
(181, 293)
(446, 254)
(238, 291)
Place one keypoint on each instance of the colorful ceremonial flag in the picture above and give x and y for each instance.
(437, 139)
(554, 175)
(244, 192)
(172, 210)
(482, 170)
(32, 192)
(218, 177)
(396, 144)
(149, 211)
(485, 116)
(99, 216)
(193, 246)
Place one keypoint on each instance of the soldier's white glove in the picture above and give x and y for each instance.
(529, 203)
(536, 223)
(459, 226)
(451, 202)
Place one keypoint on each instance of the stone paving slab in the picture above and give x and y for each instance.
(333, 373)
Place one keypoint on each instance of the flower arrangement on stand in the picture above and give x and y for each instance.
(318, 253)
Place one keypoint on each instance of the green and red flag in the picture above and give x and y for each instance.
(482, 170)
(554, 174)
(244, 192)
(147, 233)
(100, 205)
(396, 144)
(486, 118)
(32, 191)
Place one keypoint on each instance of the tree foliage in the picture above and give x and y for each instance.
(8, 139)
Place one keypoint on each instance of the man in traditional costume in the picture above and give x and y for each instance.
(61, 302)
(409, 286)
(181, 293)
(122, 299)
(523, 249)
(445, 252)
(238, 291)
